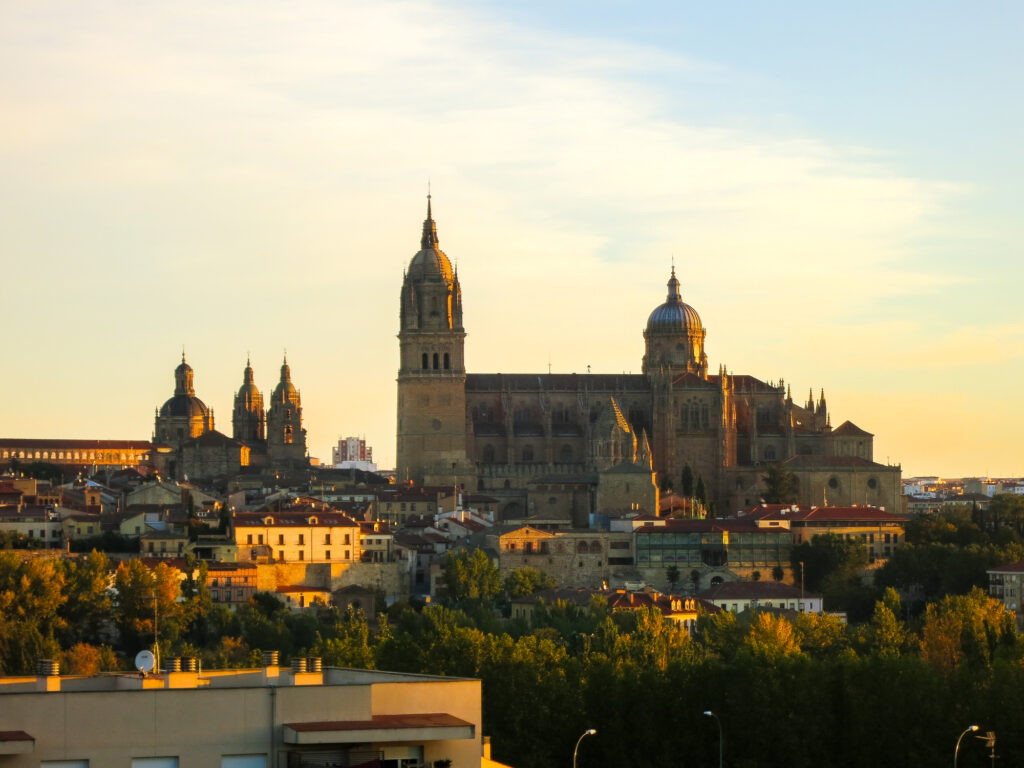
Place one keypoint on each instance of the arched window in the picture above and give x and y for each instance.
(425, 362)
(581, 547)
(488, 454)
(435, 361)
(447, 363)
(595, 547)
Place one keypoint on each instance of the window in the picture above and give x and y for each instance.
(259, 539)
(64, 764)
(154, 762)
(248, 539)
(302, 555)
(243, 761)
(327, 538)
(327, 554)
(302, 538)
(280, 539)
(425, 365)
(346, 541)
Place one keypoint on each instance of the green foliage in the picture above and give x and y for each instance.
(780, 485)
(686, 482)
(828, 558)
(470, 574)
(527, 581)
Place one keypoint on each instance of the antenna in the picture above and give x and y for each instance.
(145, 661)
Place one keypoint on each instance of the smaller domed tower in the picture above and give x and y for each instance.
(249, 420)
(286, 439)
(674, 337)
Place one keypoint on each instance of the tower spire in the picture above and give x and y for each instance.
(429, 238)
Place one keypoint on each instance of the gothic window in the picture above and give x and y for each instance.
(704, 415)
(288, 434)
(527, 453)
(581, 547)
(833, 482)
(508, 484)
(595, 547)
(447, 363)
(694, 416)
(488, 454)
(425, 361)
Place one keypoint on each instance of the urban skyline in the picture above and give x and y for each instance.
(842, 220)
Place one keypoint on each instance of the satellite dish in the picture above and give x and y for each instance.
(144, 661)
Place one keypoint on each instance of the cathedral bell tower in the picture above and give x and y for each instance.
(432, 373)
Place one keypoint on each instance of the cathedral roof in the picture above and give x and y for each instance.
(849, 429)
(832, 462)
(674, 315)
(430, 262)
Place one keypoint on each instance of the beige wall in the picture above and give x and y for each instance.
(200, 726)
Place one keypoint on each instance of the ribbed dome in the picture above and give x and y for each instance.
(430, 263)
(185, 405)
(674, 315)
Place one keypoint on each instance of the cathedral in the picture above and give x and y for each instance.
(570, 446)
(186, 444)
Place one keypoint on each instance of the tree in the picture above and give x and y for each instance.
(780, 485)
(527, 581)
(828, 556)
(86, 612)
(672, 574)
(686, 481)
(470, 574)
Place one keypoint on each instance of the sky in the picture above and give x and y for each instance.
(837, 185)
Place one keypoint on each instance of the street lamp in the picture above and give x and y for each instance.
(588, 732)
(709, 713)
(956, 752)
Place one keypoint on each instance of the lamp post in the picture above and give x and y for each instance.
(956, 752)
(588, 732)
(709, 713)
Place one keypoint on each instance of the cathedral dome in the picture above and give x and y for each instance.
(430, 263)
(188, 406)
(675, 315)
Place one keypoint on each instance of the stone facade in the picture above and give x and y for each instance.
(504, 434)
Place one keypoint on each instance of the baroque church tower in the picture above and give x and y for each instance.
(432, 373)
(286, 439)
(184, 416)
(249, 421)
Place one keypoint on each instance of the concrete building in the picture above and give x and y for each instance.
(353, 453)
(272, 717)
(739, 596)
(1006, 583)
(311, 534)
